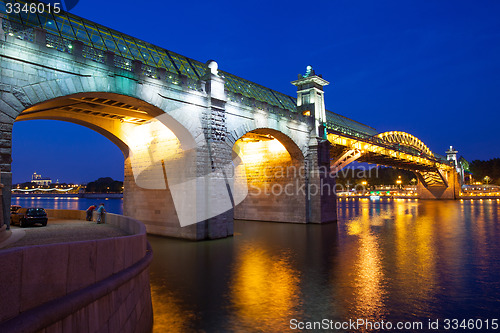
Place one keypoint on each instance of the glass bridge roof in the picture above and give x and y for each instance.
(72, 27)
(343, 124)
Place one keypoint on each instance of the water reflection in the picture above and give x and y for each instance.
(264, 289)
(362, 276)
(402, 260)
(169, 316)
(414, 263)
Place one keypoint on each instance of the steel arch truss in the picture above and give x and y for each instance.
(404, 139)
(348, 156)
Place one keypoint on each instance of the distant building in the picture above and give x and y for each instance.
(39, 180)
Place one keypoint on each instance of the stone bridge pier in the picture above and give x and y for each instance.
(446, 188)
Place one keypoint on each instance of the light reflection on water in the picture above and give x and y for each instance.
(401, 260)
(395, 260)
(112, 205)
(264, 285)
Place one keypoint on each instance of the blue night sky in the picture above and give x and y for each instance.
(430, 68)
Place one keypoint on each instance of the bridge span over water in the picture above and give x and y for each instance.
(201, 146)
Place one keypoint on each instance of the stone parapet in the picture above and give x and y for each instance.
(84, 286)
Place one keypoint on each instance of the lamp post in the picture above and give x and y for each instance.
(399, 182)
(364, 183)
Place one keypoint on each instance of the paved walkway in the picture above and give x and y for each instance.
(60, 231)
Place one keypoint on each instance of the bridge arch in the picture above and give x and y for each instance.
(111, 114)
(295, 141)
(404, 139)
(273, 169)
(146, 96)
(107, 133)
(149, 138)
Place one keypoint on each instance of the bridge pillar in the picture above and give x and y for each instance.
(188, 195)
(321, 199)
(440, 192)
(215, 157)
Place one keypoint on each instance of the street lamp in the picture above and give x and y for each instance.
(364, 187)
(399, 181)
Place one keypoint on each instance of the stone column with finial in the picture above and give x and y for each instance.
(310, 99)
(321, 199)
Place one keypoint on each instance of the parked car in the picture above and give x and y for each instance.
(14, 208)
(29, 216)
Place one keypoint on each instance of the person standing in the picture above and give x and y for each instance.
(90, 210)
(100, 214)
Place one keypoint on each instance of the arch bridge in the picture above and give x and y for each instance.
(201, 146)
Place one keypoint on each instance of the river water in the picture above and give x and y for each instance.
(396, 261)
(399, 261)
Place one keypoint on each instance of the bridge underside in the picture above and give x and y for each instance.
(380, 159)
(436, 179)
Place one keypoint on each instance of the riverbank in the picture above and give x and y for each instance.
(61, 231)
(70, 195)
(66, 273)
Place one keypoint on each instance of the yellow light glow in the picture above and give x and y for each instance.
(168, 313)
(264, 289)
(264, 160)
(150, 144)
(255, 151)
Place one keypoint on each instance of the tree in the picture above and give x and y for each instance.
(490, 168)
(374, 176)
(104, 185)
